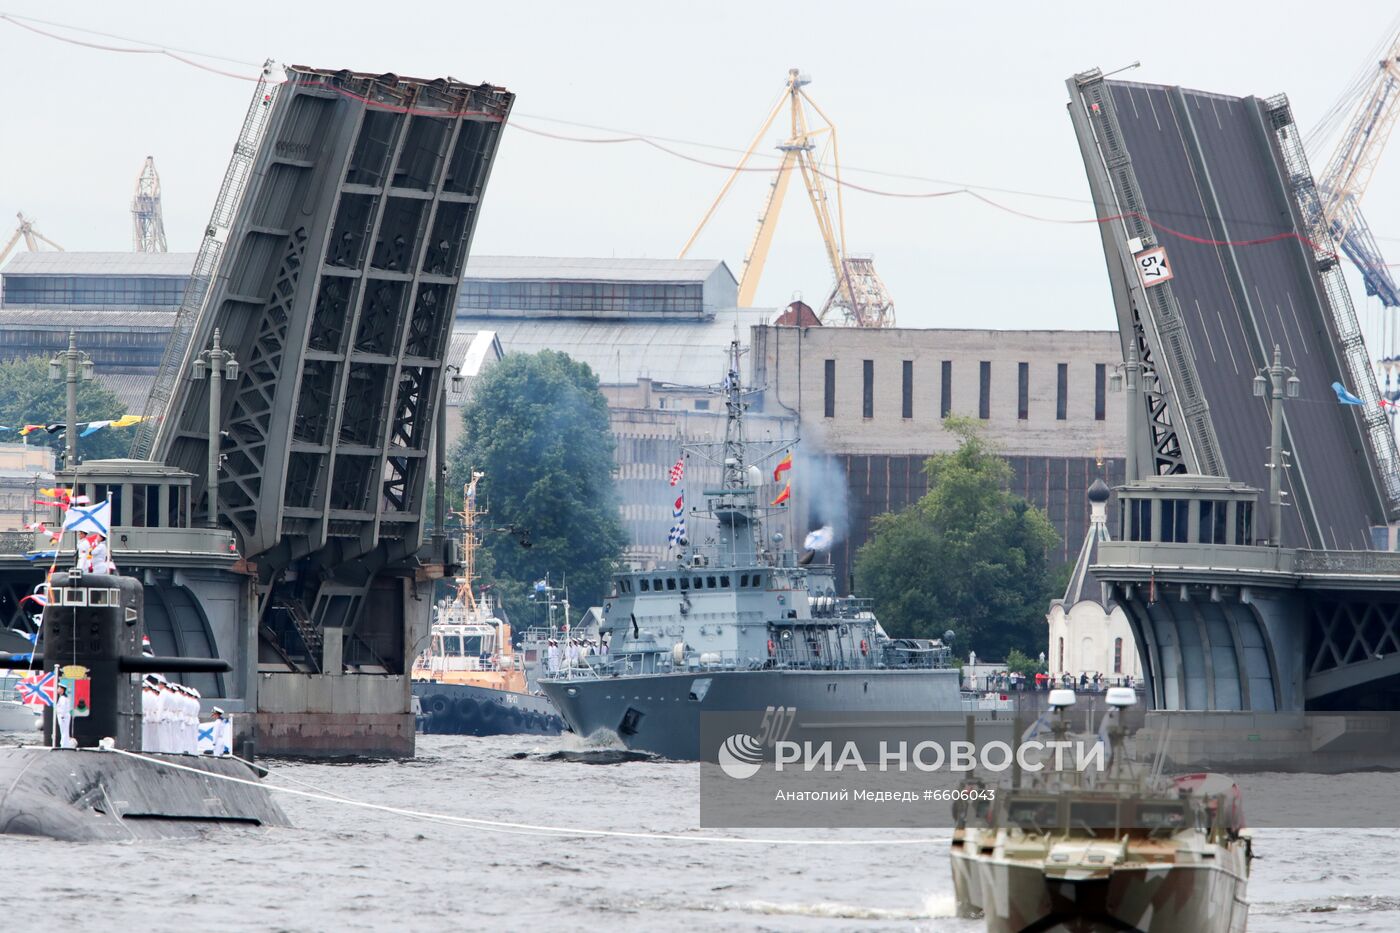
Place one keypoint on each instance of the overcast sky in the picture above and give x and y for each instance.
(962, 92)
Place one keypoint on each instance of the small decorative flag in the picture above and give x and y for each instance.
(783, 466)
(1345, 397)
(29, 429)
(55, 427)
(678, 471)
(93, 427)
(677, 535)
(38, 689)
(783, 496)
(541, 586)
(678, 509)
(126, 421)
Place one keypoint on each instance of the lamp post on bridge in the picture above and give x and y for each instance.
(71, 366)
(1130, 371)
(220, 365)
(1276, 381)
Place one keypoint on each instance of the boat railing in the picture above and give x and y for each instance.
(801, 657)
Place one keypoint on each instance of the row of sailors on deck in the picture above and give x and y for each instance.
(573, 652)
(170, 721)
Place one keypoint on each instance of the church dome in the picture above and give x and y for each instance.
(1099, 492)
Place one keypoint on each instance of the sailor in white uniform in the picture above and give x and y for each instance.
(553, 655)
(165, 716)
(63, 714)
(84, 562)
(192, 736)
(102, 556)
(223, 733)
(187, 728)
(149, 697)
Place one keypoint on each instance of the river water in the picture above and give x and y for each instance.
(346, 868)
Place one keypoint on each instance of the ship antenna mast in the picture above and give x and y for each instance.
(471, 540)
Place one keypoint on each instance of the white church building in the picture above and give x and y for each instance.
(1089, 634)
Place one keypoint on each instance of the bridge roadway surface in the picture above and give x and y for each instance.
(1206, 167)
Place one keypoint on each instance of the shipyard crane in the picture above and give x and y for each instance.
(858, 295)
(147, 226)
(32, 238)
(1343, 184)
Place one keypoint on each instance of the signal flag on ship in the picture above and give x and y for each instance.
(783, 466)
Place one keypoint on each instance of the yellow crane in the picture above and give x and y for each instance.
(859, 297)
(32, 238)
(1375, 101)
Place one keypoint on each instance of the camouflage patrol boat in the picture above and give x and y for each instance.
(1117, 849)
(740, 626)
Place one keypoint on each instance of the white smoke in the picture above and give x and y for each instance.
(820, 482)
(820, 540)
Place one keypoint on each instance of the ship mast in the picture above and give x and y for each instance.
(733, 503)
(471, 540)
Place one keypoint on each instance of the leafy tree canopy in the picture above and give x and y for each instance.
(537, 426)
(28, 397)
(969, 556)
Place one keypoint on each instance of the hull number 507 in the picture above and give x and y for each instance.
(776, 724)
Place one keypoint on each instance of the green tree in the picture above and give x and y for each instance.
(537, 426)
(1020, 663)
(969, 556)
(28, 397)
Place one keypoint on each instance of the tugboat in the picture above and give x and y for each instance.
(470, 680)
(739, 627)
(1118, 849)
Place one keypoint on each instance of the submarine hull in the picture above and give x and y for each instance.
(88, 795)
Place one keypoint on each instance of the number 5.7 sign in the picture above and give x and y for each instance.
(1152, 266)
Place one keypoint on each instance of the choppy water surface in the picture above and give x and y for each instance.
(345, 868)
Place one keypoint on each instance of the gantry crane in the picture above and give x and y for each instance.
(32, 238)
(147, 226)
(1342, 185)
(858, 294)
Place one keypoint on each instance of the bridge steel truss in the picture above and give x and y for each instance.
(1252, 268)
(331, 269)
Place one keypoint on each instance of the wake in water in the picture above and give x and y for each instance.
(600, 748)
(934, 907)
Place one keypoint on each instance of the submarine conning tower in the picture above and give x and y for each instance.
(94, 621)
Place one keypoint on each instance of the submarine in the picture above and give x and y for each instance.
(107, 789)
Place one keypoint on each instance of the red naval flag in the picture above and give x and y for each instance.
(783, 496)
(678, 471)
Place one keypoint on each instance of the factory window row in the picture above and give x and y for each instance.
(55, 290)
(945, 394)
(580, 296)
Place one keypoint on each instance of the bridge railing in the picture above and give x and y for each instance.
(206, 264)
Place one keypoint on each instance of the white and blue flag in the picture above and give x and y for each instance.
(89, 519)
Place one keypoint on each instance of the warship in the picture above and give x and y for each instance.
(470, 680)
(738, 626)
(95, 783)
(1117, 848)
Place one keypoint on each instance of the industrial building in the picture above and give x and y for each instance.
(656, 332)
(873, 402)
